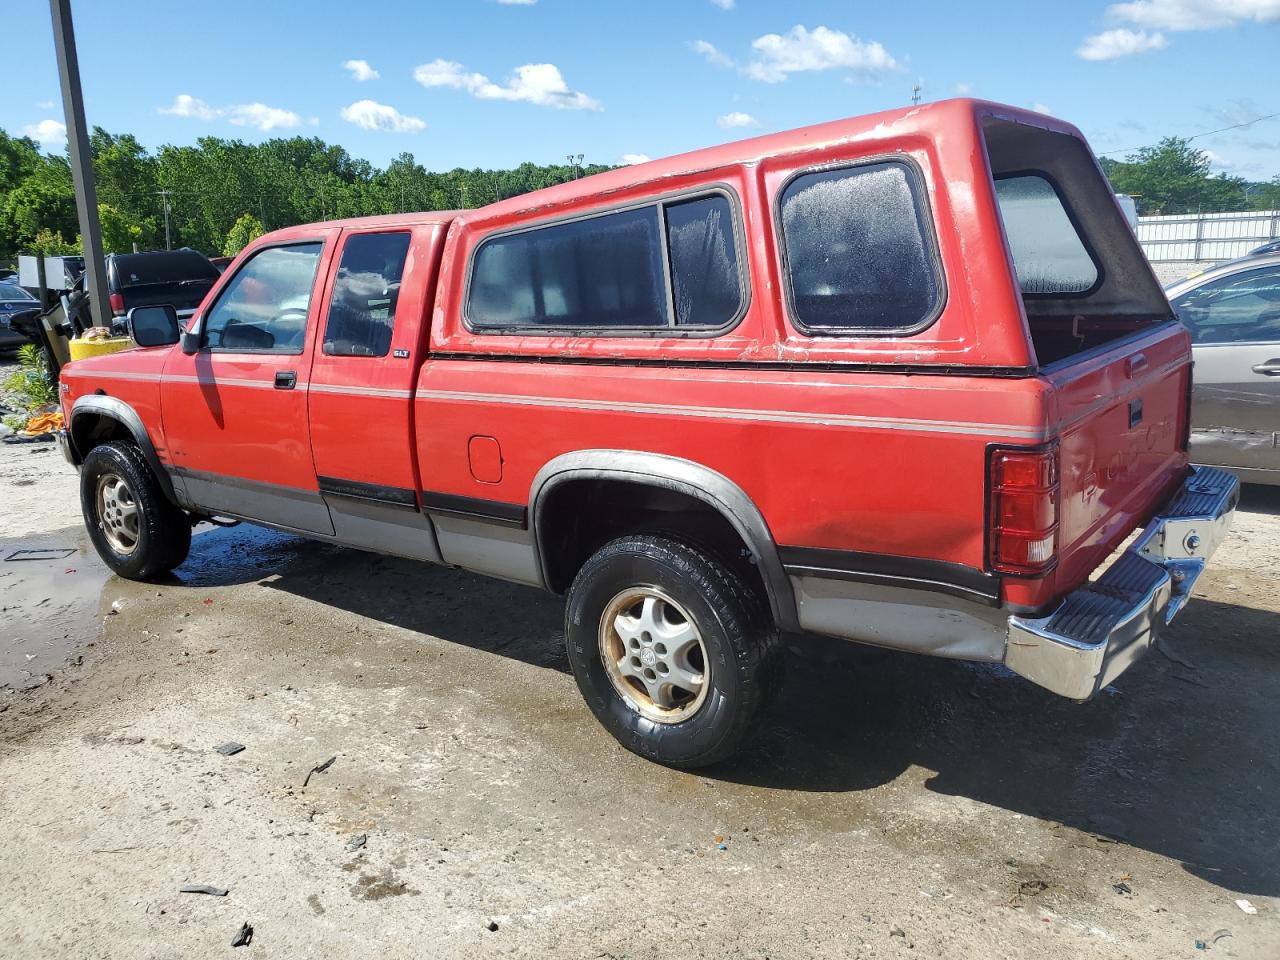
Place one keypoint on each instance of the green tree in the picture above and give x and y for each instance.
(242, 233)
(119, 232)
(43, 201)
(19, 158)
(1173, 177)
(1266, 196)
(48, 243)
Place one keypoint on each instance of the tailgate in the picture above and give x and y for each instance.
(1122, 417)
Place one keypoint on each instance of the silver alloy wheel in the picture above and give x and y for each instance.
(117, 513)
(654, 655)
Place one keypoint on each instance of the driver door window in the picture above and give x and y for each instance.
(1241, 308)
(264, 307)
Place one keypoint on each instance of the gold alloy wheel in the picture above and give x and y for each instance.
(654, 655)
(117, 513)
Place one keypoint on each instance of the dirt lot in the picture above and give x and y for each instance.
(892, 806)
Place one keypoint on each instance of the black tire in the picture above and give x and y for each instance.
(163, 531)
(739, 639)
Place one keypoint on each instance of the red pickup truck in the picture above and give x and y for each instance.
(905, 379)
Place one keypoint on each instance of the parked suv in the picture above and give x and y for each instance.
(905, 379)
(180, 278)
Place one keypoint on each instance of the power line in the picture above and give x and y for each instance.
(1207, 133)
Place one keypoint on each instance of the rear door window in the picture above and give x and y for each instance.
(605, 272)
(362, 312)
(637, 271)
(860, 255)
(263, 309)
(706, 282)
(1049, 256)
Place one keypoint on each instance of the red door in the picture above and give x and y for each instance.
(372, 336)
(235, 412)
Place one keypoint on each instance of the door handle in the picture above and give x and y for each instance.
(1269, 369)
(286, 379)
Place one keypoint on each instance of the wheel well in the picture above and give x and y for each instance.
(93, 429)
(580, 516)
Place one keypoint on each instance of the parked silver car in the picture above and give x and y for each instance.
(1233, 312)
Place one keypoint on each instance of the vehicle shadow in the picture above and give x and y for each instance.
(520, 622)
(1260, 498)
(1175, 758)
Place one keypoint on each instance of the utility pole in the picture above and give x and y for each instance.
(164, 196)
(915, 94)
(575, 160)
(95, 267)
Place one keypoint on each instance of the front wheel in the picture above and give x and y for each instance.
(138, 533)
(673, 652)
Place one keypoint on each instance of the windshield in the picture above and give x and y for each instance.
(11, 291)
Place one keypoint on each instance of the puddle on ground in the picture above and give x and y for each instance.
(224, 555)
(48, 605)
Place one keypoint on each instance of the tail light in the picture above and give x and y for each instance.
(1024, 509)
(117, 304)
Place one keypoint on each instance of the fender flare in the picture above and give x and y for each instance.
(113, 408)
(682, 476)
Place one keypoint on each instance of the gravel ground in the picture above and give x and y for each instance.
(891, 806)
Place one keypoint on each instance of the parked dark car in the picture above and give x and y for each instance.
(13, 300)
(177, 277)
(1271, 246)
(1233, 312)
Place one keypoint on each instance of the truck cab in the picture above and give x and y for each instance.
(905, 379)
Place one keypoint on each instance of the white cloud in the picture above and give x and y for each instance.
(261, 117)
(737, 119)
(723, 4)
(380, 116)
(256, 115)
(963, 89)
(630, 158)
(45, 104)
(538, 83)
(1041, 108)
(1111, 44)
(1218, 161)
(711, 52)
(50, 134)
(819, 49)
(1194, 14)
(185, 105)
(361, 71)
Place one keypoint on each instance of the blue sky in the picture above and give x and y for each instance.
(492, 83)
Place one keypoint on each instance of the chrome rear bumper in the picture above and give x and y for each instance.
(1100, 630)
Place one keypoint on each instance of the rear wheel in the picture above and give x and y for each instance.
(138, 533)
(673, 653)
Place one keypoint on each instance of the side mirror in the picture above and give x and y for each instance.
(190, 342)
(153, 326)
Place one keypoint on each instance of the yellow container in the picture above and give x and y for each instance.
(96, 348)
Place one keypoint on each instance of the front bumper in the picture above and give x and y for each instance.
(1100, 630)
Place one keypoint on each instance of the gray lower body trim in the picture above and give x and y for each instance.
(384, 528)
(302, 510)
(918, 621)
(489, 548)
